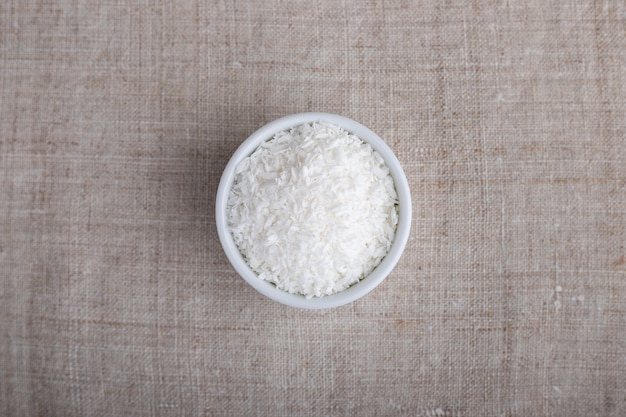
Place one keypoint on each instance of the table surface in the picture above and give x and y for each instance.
(117, 118)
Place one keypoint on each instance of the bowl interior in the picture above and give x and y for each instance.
(366, 284)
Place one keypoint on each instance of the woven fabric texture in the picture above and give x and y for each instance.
(118, 117)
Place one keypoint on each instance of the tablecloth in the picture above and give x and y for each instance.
(116, 121)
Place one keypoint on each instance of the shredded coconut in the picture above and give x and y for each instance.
(313, 210)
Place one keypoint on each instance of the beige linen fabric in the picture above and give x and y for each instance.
(117, 118)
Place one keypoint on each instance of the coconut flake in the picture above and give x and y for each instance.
(313, 210)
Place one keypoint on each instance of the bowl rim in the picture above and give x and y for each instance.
(358, 289)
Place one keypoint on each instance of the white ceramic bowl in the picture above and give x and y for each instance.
(357, 290)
